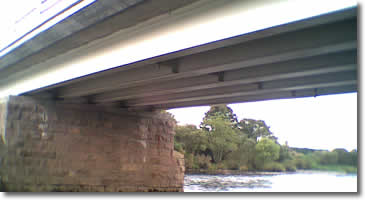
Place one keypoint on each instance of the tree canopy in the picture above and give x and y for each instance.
(266, 151)
(223, 142)
(255, 129)
(224, 112)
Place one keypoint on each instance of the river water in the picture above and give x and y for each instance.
(301, 181)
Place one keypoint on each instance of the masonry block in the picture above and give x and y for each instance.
(48, 146)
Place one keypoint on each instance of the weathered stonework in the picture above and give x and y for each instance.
(55, 147)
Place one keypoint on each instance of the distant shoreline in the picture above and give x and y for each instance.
(226, 172)
(244, 172)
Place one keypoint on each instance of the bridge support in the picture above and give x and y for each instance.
(48, 146)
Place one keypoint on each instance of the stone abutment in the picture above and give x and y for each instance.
(47, 146)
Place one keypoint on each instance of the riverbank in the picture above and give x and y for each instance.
(223, 172)
(337, 168)
(322, 168)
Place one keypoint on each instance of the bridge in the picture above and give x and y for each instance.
(89, 89)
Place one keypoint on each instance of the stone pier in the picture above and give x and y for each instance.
(48, 146)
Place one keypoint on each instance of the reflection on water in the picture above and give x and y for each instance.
(303, 181)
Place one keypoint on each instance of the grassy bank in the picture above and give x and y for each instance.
(332, 168)
(337, 168)
(270, 167)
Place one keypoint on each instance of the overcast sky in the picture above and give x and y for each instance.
(323, 122)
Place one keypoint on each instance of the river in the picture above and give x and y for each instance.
(301, 181)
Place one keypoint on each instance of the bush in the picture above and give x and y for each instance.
(221, 166)
(304, 162)
(212, 167)
(351, 170)
(289, 166)
(178, 147)
(244, 168)
(189, 161)
(328, 158)
(202, 161)
(337, 168)
(2, 186)
(231, 164)
(274, 167)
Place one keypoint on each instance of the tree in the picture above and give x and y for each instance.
(191, 139)
(284, 152)
(353, 155)
(344, 157)
(223, 111)
(327, 158)
(244, 156)
(222, 138)
(266, 151)
(255, 129)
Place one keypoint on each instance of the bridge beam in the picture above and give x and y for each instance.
(293, 84)
(47, 146)
(312, 92)
(300, 44)
(330, 63)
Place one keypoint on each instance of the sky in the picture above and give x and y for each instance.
(322, 122)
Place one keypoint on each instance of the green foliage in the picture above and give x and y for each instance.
(303, 161)
(266, 151)
(189, 161)
(324, 160)
(304, 150)
(327, 158)
(273, 167)
(192, 140)
(345, 157)
(223, 143)
(285, 153)
(225, 112)
(289, 165)
(244, 156)
(178, 147)
(255, 129)
(339, 168)
(353, 156)
(197, 161)
(222, 138)
(231, 164)
(221, 165)
(203, 161)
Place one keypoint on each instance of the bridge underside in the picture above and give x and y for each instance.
(313, 57)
